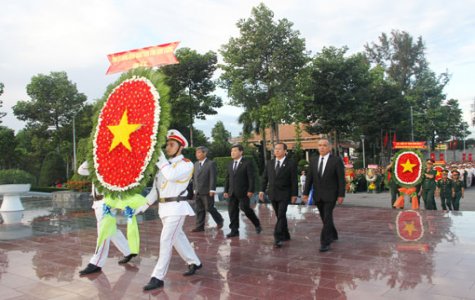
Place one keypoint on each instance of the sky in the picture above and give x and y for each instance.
(39, 37)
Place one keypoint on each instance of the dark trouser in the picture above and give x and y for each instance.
(205, 203)
(429, 199)
(329, 232)
(456, 200)
(281, 229)
(394, 193)
(446, 202)
(233, 210)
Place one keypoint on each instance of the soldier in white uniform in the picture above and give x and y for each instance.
(99, 258)
(169, 188)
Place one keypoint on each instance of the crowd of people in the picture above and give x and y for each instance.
(448, 183)
(325, 180)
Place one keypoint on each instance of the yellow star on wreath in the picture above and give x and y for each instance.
(122, 132)
(409, 227)
(408, 166)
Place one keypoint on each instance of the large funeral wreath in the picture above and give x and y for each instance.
(129, 131)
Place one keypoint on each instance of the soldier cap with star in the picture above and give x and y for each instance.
(174, 134)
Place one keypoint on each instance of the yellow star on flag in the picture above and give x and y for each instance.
(122, 132)
(408, 166)
(410, 228)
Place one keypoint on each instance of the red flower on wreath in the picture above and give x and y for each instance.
(126, 134)
(408, 168)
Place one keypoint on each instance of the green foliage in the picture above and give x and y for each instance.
(158, 79)
(340, 87)
(53, 170)
(261, 69)
(54, 101)
(15, 176)
(302, 165)
(220, 145)
(7, 148)
(191, 86)
(2, 114)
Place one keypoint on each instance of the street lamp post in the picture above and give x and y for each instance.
(412, 125)
(362, 143)
(74, 145)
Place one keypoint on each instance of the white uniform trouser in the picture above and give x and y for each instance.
(173, 236)
(118, 239)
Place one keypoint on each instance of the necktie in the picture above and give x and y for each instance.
(277, 168)
(235, 166)
(320, 168)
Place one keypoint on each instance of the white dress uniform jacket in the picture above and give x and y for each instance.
(172, 181)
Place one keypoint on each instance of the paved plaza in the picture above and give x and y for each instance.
(382, 253)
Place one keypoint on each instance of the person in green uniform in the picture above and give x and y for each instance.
(428, 186)
(444, 189)
(457, 189)
(392, 184)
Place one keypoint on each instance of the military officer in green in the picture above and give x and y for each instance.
(393, 188)
(457, 189)
(444, 189)
(428, 186)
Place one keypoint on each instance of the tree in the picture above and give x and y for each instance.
(261, 67)
(7, 148)
(191, 87)
(54, 102)
(220, 146)
(2, 114)
(404, 62)
(401, 57)
(52, 170)
(340, 87)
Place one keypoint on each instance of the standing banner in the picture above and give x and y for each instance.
(148, 57)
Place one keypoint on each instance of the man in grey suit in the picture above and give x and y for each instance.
(204, 186)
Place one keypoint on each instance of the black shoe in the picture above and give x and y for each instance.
(258, 229)
(90, 269)
(286, 238)
(192, 269)
(127, 258)
(232, 234)
(278, 244)
(154, 283)
(197, 229)
(324, 248)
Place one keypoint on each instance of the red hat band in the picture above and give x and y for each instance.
(178, 139)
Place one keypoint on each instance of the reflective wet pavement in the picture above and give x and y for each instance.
(381, 254)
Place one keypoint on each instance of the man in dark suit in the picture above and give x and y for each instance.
(239, 188)
(280, 182)
(204, 186)
(327, 175)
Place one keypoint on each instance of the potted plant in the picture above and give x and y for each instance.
(13, 183)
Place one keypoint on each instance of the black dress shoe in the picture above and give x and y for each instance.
(324, 248)
(90, 269)
(258, 229)
(278, 244)
(192, 269)
(197, 230)
(232, 234)
(127, 258)
(154, 283)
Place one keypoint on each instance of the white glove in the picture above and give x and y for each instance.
(162, 160)
(141, 209)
